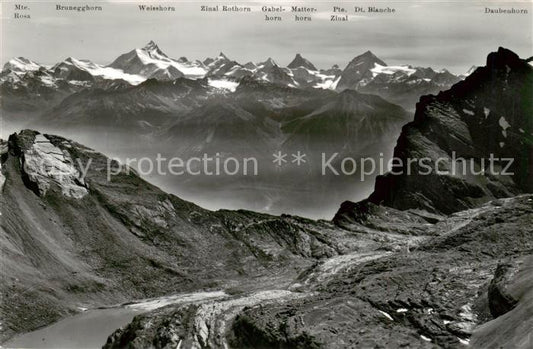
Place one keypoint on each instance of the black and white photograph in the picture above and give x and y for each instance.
(266, 174)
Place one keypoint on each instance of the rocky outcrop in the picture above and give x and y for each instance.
(500, 300)
(203, 324)
(46, 167)
(514, 327)
(384, 218)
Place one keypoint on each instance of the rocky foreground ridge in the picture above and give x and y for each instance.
(71, 238)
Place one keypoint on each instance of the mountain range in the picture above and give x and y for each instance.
(442, 262)
(22, 77)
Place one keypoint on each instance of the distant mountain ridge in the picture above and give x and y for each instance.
(365, 73)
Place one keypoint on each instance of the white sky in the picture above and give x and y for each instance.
(453, 35)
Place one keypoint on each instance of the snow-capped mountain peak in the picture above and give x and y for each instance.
(221, 66)
(358, 69)
(21, 64)
(153, 51)
(151, 62)
(85, 70)
(269, 63)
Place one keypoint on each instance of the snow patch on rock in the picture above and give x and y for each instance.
(466, 313)
(224, 84)
(464, 341)
(2, 180)
(183, 298)
(425, 338)
(386, 315)
(389, 70)
(504, 125)
(104, 72)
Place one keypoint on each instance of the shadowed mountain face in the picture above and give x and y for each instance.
(142, 108)
(224, 127)
(350, 122)
(487, 115)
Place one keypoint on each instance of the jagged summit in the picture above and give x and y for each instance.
(299, 61)
(21, 64)
(73, 60)
(501, 58)
(150, 46)
(152, 50)
(358, 69)
(216, 62)
(471, 70)
(368, 53)
(369, 57)
(250, 65)
(269, 63)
